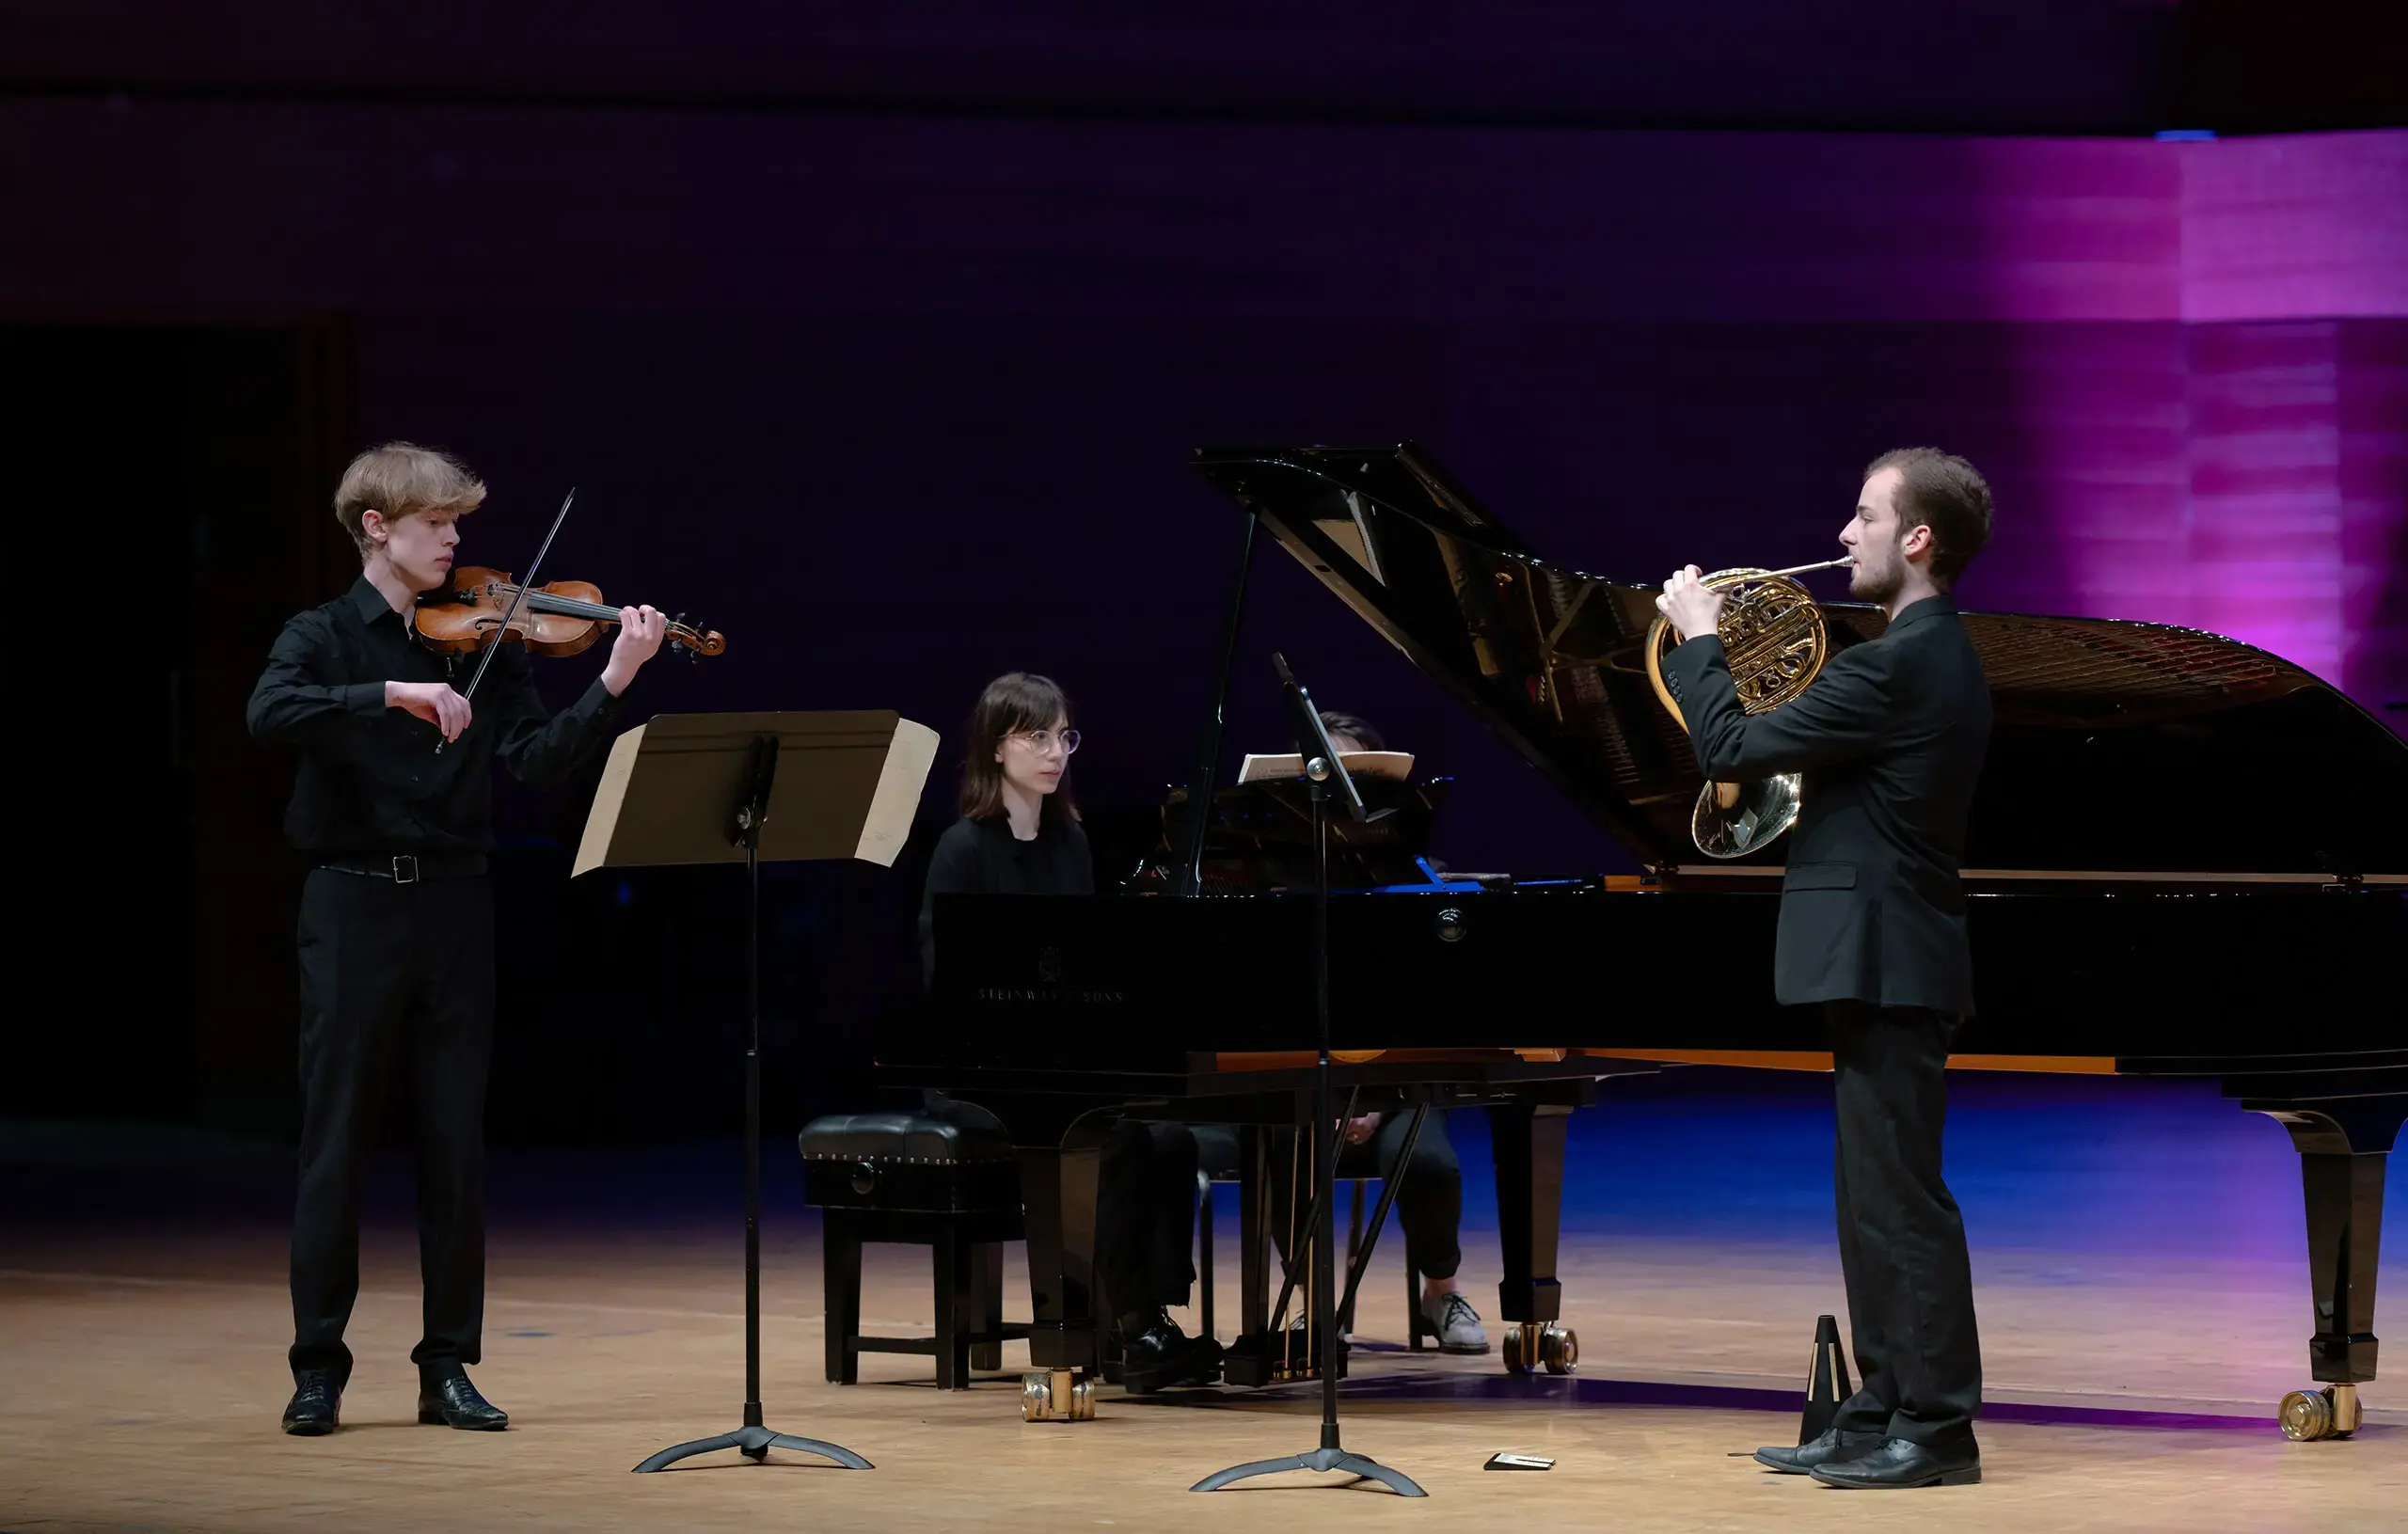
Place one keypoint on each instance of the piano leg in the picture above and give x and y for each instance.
(1058, 1186)
(1528, 1140)
(2342, 1145)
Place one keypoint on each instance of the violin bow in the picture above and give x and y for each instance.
(519, 596)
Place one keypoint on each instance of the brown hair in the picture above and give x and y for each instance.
(399, 479)
(1013, 701)
(1942, 492)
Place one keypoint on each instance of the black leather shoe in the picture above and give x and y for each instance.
(1902, 1462)
(316, 1407)
(1833, 1448)
(1154, 1352)
(453, 1401)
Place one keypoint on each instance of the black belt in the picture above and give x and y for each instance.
(409, 867)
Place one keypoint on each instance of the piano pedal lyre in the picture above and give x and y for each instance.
(1056, 1394)
(2331, 1412)
(1534, 1344)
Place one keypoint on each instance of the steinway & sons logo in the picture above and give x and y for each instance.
(1049, 992)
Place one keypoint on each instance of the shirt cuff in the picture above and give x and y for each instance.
(598, 703)
(364, 697)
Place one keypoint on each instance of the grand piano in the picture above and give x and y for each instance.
(2186, 859)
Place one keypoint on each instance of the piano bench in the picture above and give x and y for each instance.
(945, 1181)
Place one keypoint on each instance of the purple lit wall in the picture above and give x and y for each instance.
(2244, 469)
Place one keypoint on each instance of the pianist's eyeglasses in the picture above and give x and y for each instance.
(1042, 742)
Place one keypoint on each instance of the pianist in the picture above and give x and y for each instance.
(1890, 737)
(1018, 835)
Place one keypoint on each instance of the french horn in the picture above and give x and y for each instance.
(1775, 643)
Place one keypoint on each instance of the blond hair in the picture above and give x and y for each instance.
(399, 479)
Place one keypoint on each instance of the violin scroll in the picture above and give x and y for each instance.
(691, 642)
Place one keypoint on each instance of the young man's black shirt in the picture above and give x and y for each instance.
(371, 780)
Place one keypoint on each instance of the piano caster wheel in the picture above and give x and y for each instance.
(1540, 1345)
(1057, 1394)
(1560, 1349)
(2330, 1413)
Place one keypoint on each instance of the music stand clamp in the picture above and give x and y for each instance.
(1321, 767)
(702, 788)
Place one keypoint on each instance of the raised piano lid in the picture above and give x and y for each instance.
(2121, 749)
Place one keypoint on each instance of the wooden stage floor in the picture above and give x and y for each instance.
(141, 1375)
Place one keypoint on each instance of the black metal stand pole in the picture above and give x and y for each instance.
(754, 1440)
(1331, 1455)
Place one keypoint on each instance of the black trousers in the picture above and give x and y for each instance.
(1428, 1202)
(395, 979)
(1902, 1240)
(1145, 1222)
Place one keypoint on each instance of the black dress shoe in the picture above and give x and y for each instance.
(1831, 1448)
(1154, 1352)
(1902, 1462)
(316, 1407)
(453, 1401)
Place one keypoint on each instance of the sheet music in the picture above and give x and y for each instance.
(1395, 764)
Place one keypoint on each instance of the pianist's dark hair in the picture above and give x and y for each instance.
(1355, 725)
(1013, 701)
(1942, 492)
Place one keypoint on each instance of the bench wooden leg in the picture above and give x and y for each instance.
(949, 1262)
(841, 1285)
(987, 1303)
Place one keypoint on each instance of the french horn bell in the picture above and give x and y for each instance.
(1774, 640)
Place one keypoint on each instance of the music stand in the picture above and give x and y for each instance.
(707, 788)
(1322, 768)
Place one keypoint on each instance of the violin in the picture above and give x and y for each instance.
(558, 618)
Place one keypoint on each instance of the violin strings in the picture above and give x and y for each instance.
(570, 607)
(564, 606)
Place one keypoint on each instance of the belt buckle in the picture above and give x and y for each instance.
(405, 868)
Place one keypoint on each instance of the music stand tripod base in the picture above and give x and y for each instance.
(754, 1441)
(1320, 1458)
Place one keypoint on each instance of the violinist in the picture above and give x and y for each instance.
(396, 932)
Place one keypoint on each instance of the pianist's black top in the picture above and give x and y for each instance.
(371, 778)
(983, 857)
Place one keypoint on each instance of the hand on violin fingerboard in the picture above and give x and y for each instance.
(434, 701)
(640, 631)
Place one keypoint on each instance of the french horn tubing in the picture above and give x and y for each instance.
(1774, 640)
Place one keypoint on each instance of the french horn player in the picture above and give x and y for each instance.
(1887, 741)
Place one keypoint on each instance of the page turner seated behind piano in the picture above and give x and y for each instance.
(1018, 835)
(1430, 1198)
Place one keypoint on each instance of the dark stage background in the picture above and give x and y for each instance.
(879, 342)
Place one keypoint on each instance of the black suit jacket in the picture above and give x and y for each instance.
(1890, 738)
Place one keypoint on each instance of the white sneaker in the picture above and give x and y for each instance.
(1451, 1319)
